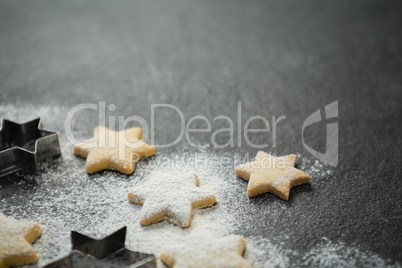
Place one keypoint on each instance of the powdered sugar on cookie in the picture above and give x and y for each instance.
(208, 252)
(15, 240)
(65, 198)
(170, 196)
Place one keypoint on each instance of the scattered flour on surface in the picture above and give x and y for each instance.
(330, 254)
(64, 198)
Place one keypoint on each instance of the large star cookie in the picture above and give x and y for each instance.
(271, 174)
(202, 252)
(171, 198)
(15, 242)
(114, 150)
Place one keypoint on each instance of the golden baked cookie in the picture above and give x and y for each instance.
(15, 242)
(205, 252)
(114, 150)
(170, 197)
(271, 174)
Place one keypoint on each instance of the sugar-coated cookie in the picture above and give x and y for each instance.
(271, 174)
(170, 197)
(15, 242)
(206, 252)
(114, 150)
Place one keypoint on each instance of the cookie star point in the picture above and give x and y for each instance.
(271, 174)
(171, 199)
(15, 242)
(114, 150)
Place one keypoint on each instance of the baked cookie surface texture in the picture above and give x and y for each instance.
(114, 150)
(271, 174)
(207, 252)
(15, 242)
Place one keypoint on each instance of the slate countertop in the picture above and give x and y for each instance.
(208, 58)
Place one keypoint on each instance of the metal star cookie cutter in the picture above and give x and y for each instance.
(22, 146)
(89, 252)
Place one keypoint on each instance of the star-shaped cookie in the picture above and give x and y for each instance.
(15, 242)
(114, 150)
(207, 253)
(170, 197)
(271, 174)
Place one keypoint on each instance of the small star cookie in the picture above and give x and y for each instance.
(15, 240)
(114, 150)
(202, 252)
(271, 174)
(171, 198)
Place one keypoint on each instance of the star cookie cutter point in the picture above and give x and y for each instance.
(22, 146)
(101, 248)
(90, 252)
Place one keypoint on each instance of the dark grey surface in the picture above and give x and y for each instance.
(277, 57)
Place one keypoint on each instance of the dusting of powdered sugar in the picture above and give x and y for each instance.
(330, 254)
(208, 251)
(266, 254)
(11, 234)
(64, 198)
(313, 167)
(172, 192)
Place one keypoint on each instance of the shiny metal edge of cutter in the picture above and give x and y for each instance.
(22, 146)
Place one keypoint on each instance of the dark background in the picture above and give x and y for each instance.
(276, 57)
